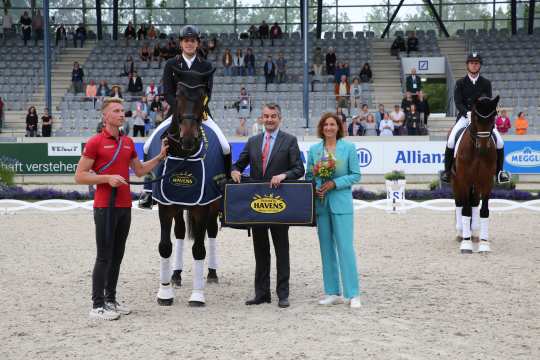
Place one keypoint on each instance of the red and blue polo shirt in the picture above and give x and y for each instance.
(101, 149)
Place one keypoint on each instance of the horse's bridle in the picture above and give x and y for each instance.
(477, 135)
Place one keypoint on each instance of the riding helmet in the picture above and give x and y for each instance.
(474, 56)
(189, 31)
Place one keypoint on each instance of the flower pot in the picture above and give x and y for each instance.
(395, 195)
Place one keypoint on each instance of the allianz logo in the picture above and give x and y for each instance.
(526, 157)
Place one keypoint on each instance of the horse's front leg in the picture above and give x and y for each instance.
(165, 295)
(466, 246)
(197, 226)
(484, 247)
(180, 234)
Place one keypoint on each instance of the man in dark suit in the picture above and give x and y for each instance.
(273, 156)
(269, 71)
(413, 83)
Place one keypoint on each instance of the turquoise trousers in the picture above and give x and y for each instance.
(337, 253)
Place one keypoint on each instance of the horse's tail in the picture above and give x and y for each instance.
(191, 224)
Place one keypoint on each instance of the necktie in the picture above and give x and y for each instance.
(266, 152)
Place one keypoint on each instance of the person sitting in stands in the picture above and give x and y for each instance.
(275, 32)
(331, 61)
(103, 89)
(503, 122)
(116, 92)
(227, 62)
(386, 127)
(135, 86)
(152, 33)
(151, 91)
(397, 46)
(412, 43)
(342, 92)
(129, 33)
(141, 33)
(365, 73)
(145, 53)
(91, 92)
(129, 66)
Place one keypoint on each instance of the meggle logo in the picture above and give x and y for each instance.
(364, 157)
(525, 157)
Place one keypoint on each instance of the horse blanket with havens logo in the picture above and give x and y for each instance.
(194, 181)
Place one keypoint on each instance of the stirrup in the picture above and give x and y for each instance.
(503, 177)
(445, 177)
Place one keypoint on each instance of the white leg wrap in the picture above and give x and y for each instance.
(178, 254)
(484, 225)
(212, 253)
(466, 221)
(459, 221)
(475, 221)
(462, 122)
(198, 274)
(498, 137)
(165, 270)
(225, 147)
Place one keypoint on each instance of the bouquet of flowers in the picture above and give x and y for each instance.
(324, 169)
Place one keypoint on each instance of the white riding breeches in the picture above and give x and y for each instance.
(464, 122)
(225, 147)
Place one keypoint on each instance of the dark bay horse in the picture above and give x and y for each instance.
(473, 173)
(186, 138)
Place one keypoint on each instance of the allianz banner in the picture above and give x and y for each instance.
(255, 203)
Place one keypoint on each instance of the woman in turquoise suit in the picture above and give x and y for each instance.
(334, 208)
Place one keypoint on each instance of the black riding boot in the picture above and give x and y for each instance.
(448, 159)
(501, 175)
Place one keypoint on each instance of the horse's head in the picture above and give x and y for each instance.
(184, 134)
(483, 121)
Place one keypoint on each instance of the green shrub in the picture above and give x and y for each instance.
(6, 171)
(395, 175)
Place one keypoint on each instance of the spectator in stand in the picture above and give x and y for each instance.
(31, 122)
(521, 124)
(398, 118)
(116, 92)
(281, 68)
(317, 61)
(379, 115)
(412, 43)
(77, 78)
(139, 117)
(244, 110)
(156, 111)
(61, 36)
(338, 72)
(397, 46)
(355, 128)
(370, 126)
(264, 31)
(46, 123)
(331, 61)
(37, 27)
(342, 119)
(212, 45)
(227, 61)
(253, 34)
(269, 72)
(238, 63)
(160, 88)
(145, 53)
(342, 90)
(386, 127)
(151, 91)
(202, 49)
(91, 92)
(356, 93)
(152, 33)
(169, 51)
(503, 122)
(249, 62)
(275, 32)
(7, 23)
(346, 70)
(363, 113)
(258, 126)
(412, 120)
(413, 83)
(365, 73)
(130, 33)
(135, 85)
(406, 102)
(156, 54)
(26, 27)
(80, 35)
(141, 33)
(422, 106)
(103, 89)
(129, 66)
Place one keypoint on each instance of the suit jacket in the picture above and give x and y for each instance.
(347, 173)
(465, 92)
(267, 71)
(284, 159)
(410, 86)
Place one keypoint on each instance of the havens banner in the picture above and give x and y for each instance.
(374, 157)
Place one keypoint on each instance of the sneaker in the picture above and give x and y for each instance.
(102, 313)
(115, 306)
(355, 303)
(331, 300)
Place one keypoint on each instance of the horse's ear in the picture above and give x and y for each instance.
(495, 101)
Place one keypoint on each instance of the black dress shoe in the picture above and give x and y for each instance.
(284, 303)
(258, 300)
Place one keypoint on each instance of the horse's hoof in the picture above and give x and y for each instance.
(466, 247)
(466, 251)
(165, 302)
(176, 278)
(197, 299)
(196, 304)
(212, 277)
(484, 247)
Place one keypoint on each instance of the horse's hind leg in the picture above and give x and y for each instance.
(459, 220)
(165, 294)
(212, 231)
(466, 244)
(197, 228)
(484, 247)
(179, 234)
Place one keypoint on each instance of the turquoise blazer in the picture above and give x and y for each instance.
(339, 199)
